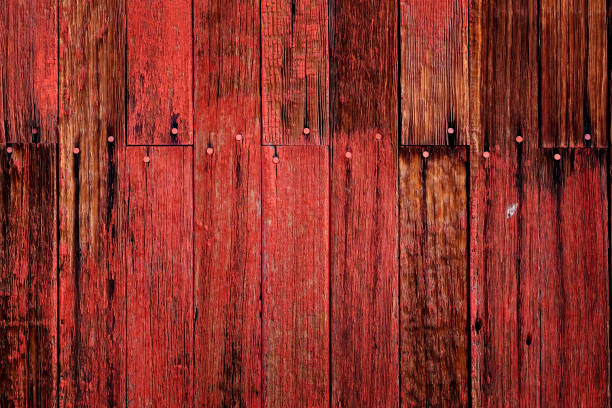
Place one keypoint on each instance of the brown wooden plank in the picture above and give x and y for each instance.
(434, 340)
(159, 277)
(364, 223)
(503, 199)
(159, 49)
(227, 346)
(573, 285)
(295, 282)
(28, 77)
(28, 276)
(434, 72)
(574, 72)
(92, 291)
(295, 72)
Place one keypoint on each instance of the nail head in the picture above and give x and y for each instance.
(450, 130)
(348, 155)
(306, 131)
(34, 131)
(238, 137)
(519, 139)
(557, 156)
(425, 154)
(111, 139)
(587, 136)
(76, 150)
(146, 159)
(486, 155)
(9, 150)
(275, 159)
(378, 136)
(174, 131)
(209, 150)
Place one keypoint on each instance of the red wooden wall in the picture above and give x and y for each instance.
(317, 203)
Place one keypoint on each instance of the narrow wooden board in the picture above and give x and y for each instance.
(28, 276)
(434, 321)
(434, 72)
(159, 277)
(28, 78)
(364, 214)
(227, 191)
(91, 222)
(295, 72)
(159, 50)
(503, 201)
(574, 287)
(295, 282)
(574, 72)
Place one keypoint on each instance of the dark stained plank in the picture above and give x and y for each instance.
(159, 77)
(227, 246)
(574, 77)
(434, 72)
(573, 284)
(434, 344)
(364, 219)
(92, 238)
(295, 72)
(503, 201)
(159, 278)
(295, 281)
(28, 77)
(28, 276)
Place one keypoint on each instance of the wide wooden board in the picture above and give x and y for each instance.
(28, 276)
(159, 277)
(295, 281)
(434, 321)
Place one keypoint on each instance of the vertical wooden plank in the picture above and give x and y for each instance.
(503, 195)
(434, 277)
(28, 77)
(574, 72)
(28, 276)
(159, 61)
(91, 216)
(295, 247)
(434, 72)
(364, 217)
(295, 72)
(574, 279)
(159, 277)
(227, 333)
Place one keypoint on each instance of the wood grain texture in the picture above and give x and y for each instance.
(295, 281)
(574, 287)
(28, 73)
(574, 72)
(434, 322)
(434, 72)
(503, 201)
(91, 220)
(159, 278)
(227, 189)
(295, 72)
(159, 49)
(28, 276)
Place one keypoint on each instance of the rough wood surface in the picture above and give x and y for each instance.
(159, 277)
(28, 73)
(28, 276)
(573, 281)
(227, 188)
(159, 60)
(295, 281)
(574, 72)
(295, 72)
(434, 72)
(92, 285)
(434, 322)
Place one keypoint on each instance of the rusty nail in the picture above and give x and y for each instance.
(486, 155)
(238, 137)
(111, 139)
(306, 131)
(146, 159)
(76, 150)
(519, 139)
(209, 150)
(275, 160)
(557, 156)
(425, 154)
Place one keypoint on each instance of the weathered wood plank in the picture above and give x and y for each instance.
(28, 276)
(227, 347)
(434, 72)
(159, 277)
(574, 77)
(295, 282)
(573, 284)
(28, 77)
(364, 217)
(503, 195)
(92, 238)
(295, 72)
(434, 340)
(159, 49)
